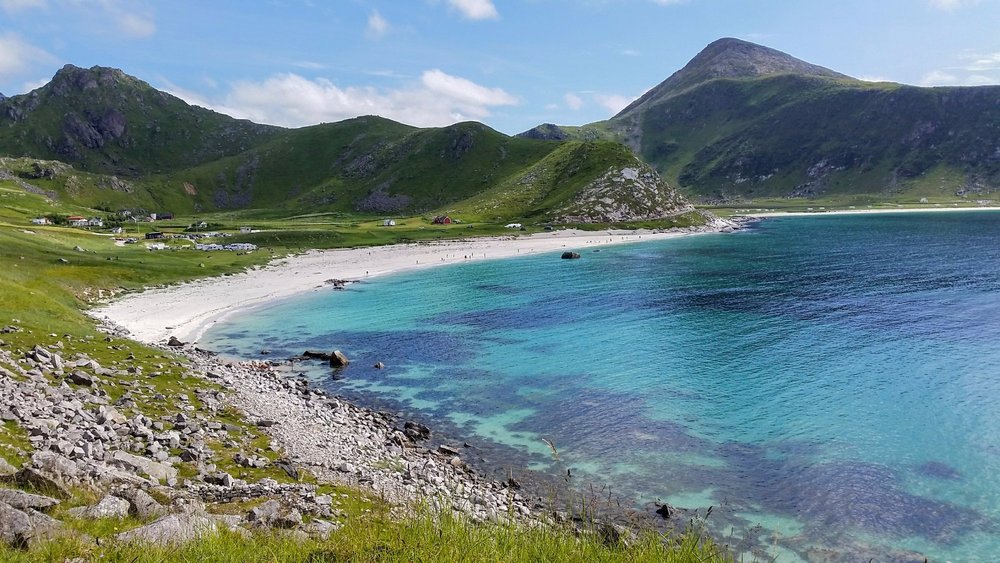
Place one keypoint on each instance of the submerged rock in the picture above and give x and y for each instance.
(570, 255)
(338, 359)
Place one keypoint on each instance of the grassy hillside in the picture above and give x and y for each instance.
(109, 140)
(105, 121)
(364, 165)
(742, 122)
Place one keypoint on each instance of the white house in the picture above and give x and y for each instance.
(40, 221)
(95, 222)
(388, 222)
(246, 230)
(513, 225)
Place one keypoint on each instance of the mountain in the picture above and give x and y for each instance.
(742, 121)
(102, 138)
(728, 58)
(104, 121)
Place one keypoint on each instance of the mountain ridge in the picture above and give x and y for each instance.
(742, 121)
(128, 142)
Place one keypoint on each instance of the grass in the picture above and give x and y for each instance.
(426, 537)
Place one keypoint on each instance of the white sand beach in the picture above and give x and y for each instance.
(865, 211)
(187, 310)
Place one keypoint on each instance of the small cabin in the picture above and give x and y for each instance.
(40, 221)
(388, 222)
(95, 222)
(246, 230)
(513, 226)
(442, 220)
(154, 235)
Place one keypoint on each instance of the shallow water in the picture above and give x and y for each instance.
(831, 379)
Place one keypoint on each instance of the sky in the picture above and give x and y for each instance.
(511, 64)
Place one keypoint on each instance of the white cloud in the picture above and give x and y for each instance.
(944, 78)
(980, 62)
(15, 5)
(875, 79)
(950, 5)
(613, 102)
(377, 25)
(464, 90)
(311, 65)
(573, 101)
(291, 100)
(18, 56)
(938, 78)
(476, 9)
(630, 52)
(981, 80)
(135, 25)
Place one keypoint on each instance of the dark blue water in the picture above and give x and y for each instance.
(827, 383)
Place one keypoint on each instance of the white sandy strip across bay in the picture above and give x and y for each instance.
(882, 211)
(186, 310)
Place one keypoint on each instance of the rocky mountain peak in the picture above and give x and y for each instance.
(71, 78)
(730, 58)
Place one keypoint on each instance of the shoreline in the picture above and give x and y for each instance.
(882, 211)
(187, 310)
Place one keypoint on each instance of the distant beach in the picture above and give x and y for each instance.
(865, 211)
(187, 310)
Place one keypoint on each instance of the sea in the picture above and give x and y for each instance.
(829, 385)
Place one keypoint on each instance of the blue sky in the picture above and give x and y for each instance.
(511, 64)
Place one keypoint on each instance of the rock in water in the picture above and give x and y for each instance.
(570, 255)
(338, 359)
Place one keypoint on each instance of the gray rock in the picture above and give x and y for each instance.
(272, 514)
(80, 378)
(22, 528)
(141, 504)
(22, 500)
(338, 359)
(6, 469)
(172, 529)
(51, 472)
(109, 507)
(156, 470)
(320, 528)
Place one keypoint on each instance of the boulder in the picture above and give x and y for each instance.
(309, 354)
(109, 507)
(570, 255)
(80, 377)
(50, 471)
(338, 359)
(22, 500)
(175, 342)
(6, 469)
(272, 514)
(20, 529)
(172, 529)
(155, 469)
(141, 504)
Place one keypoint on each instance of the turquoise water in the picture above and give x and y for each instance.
(827, 383)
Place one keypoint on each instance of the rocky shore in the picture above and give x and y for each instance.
(84, 435)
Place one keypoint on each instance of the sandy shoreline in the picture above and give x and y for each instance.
(187, 310)
(865, 211)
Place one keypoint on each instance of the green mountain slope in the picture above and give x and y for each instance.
(108, 140)
(742, 121)
(105, 121)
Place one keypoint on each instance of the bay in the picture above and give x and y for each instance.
(829, 384)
